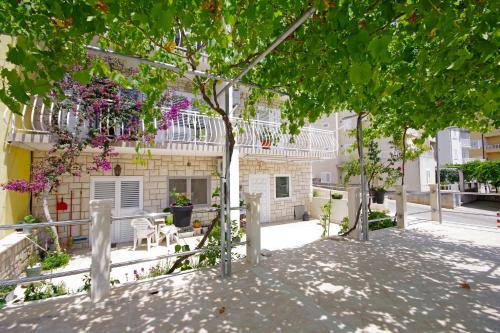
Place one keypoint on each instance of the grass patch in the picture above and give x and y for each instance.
(55, 260)
(389, 222)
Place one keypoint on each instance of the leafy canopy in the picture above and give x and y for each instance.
(425, 64)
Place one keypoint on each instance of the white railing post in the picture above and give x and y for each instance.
(100, 241)
(401, 212)
(353, 202)
(433, 201)
(253, 227)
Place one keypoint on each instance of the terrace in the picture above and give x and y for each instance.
(401, 281)
(192, 131)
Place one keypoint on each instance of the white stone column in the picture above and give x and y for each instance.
(234, 183)
(401, 212)
(433, 202)
(100, 242)
(253, 227)
(353, 201)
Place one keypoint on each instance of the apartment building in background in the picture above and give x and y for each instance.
(459, 145)
(418, 175)
(485, 146)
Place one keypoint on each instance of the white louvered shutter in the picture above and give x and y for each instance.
(126, 195)
(130, 204)
(104, 190)
(130, 192)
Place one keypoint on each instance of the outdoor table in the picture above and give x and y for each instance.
(167, 230)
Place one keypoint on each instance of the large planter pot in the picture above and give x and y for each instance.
(266, 144)
(34, 270)
(379, 196)
(182, 215)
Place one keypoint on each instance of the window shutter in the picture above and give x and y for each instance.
(104, 190)
(130, 194)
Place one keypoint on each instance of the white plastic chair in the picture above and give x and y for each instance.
(143, 229)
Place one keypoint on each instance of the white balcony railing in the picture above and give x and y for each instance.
(493, 146)
(465, 143)
(190, 128)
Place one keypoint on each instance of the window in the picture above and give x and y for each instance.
(197, 187)
(326, 177)
(282, 186)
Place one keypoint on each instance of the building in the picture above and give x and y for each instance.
(15, 162)
(419, 173)
(485, 146)
(454, 146)
(184, 158)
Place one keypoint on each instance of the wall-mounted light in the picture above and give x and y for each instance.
(117, 170)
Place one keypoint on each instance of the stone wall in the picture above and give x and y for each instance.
(155, 185)
(301, 186)
(14, 252)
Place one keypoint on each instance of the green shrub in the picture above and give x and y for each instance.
(389, 222)
(315, 193)
(43, 290)
(337, 196)
(344, 225)
(55, 260)
(4, 291)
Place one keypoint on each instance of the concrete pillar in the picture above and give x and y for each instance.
(353, 201)
(100, 242)
(253, 227)
(433, 202)
(461, 181)
(401, 213)
(234, 183)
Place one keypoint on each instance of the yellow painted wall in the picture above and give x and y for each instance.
(493, 156)
(14, 163)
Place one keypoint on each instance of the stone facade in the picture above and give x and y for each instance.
(14, 252)
(155, 174)
(300, 179)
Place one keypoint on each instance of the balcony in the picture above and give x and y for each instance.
(465, 142)
(495, 147)
(495, 132)
(190, 132)
(470, 159)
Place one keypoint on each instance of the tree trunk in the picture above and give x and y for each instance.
(52, 230)
(360, 151)
(403, 164)
(231, 141)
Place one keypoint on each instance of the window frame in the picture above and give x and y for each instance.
(188, 188)
(289, 187)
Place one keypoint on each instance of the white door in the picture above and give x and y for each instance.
(260, 184)
(126, 193)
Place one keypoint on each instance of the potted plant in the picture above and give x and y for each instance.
(378, 194)
(34, 267)
(181, 209)
(266, 138)
(169, 220)
(197, 227)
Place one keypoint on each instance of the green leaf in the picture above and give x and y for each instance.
(378, 48)
(360, 73)
(83, 76)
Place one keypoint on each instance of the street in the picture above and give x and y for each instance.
(480, 213)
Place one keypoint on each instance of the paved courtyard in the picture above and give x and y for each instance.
(398, 281)
(275, 236)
